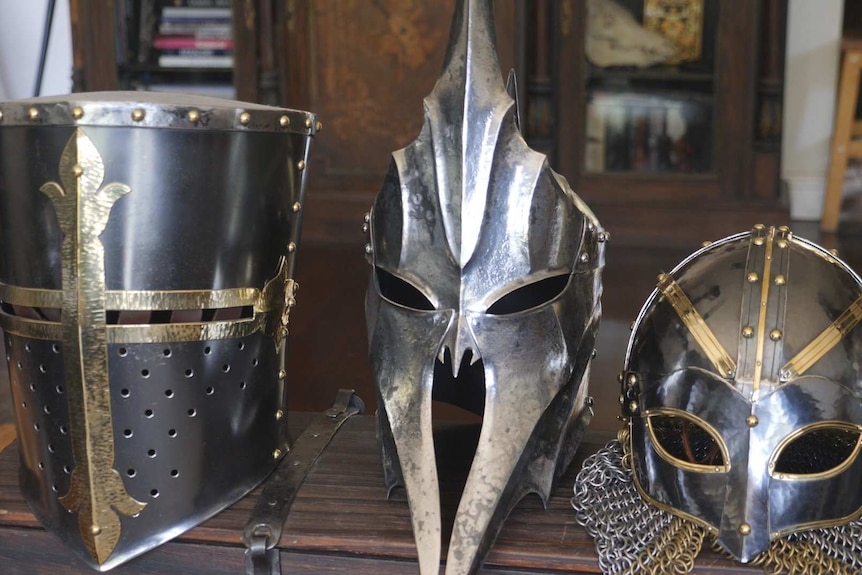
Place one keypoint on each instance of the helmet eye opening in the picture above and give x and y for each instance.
(401, 292)
(530, 296)
(817, 451)
(687, 442)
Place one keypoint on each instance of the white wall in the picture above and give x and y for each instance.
(813, 53)
(21, 30)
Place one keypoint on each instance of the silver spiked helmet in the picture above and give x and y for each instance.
(485, 294)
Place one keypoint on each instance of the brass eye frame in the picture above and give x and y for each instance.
(832, 472)
(691, 418)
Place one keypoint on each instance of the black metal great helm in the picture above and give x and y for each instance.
(146, 278)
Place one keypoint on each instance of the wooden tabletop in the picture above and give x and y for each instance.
(340, 522)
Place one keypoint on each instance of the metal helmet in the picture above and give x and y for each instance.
(485, 294)
(145, 279)
(742, 391)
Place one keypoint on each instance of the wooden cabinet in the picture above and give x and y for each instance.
(365, 66)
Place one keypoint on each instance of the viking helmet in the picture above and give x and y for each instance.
(145, 279)
(484, 293)
(743, 392)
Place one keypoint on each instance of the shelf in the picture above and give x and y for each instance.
(134, 69)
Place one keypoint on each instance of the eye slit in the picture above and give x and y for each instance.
(815, 451)
(401, 292)
(530, 295)
(684, 440)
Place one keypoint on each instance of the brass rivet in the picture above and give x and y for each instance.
(296, 207)
(834, 252)
(194, 116)
(291, 247)
(748, 332)
(77, 113)
(368, 249)
(309, 123)
(621, 377)
(781, 244)
(300, 165)
(662, 277)
(706, 244)
(783, 229)
(744, 529)
(367, 217)
(276, 454)
(633, 406)
(780, 280)
(775, 335)
(365, 228)
(759, 227)
(282, 374)
(603, 237)
(752, 277)
(758, 241)
(633, 378)
(95, 529)
(751, 421)
(584, 258)
(622, 399)
(319, 125)
(77, 171)
(279, 414)
(245, 118)
(33, 114)
(595, 353)
(138, 115)
(284, 121)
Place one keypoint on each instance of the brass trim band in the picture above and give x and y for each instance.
(828, 338)
(761, 319)
(695, 323)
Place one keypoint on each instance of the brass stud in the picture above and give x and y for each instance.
(662, 277)
(759, 227)
(748, 332)
(834, 252)
(77, 171)
(282, 374)
(319, 125)
(138, 114)
(621, 377)
(33, 114)
(752, 277)
(284, 121)
(775, 334)
(245, 118)
(279, 414)
(276, 454)
(633, 406)
(296, 207)
(300, 165)
(368, 249)
(622, 399)
(752, 421)
(309, 123)
(291, 247)
(77, 113)
(781, 244)
(95, 529)
(633, 378)
(706, 244)
(783, 229)
(758, 241)
(584, 258)
(194, 116)
(780, 280)
(367, 217)
(365, 228)
(744, 529)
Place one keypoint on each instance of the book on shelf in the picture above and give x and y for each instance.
(177, 61)
(192, 43)
(661, 133)
(199, 3)
(171, 13)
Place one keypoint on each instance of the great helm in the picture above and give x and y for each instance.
(485, 294)
(743, 392)
(145, 277)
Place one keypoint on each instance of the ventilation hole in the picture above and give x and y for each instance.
(8, 357)
(125, 392)
(225, 368)
(145, 373)
(175, 473)
(50, 448)
(254, 362)
(128, 433)
(817, 451)
(54, 488)
(242, 385)
(207, 350)
(189, 373)
(154, 493)
(166, 352)
(59, 389)
(27, 347)
(41, 465)
(67, 470)
(64, 430)
(148, 413)
(402, 292)
(172, 433)
(32, 387)
(192, 412)
(47, 410)
(131, 472)
(123, 352)
(530, 295)
(55, 348)
(685, 440)
(210, 391)
(240, 346)
(24, 404)
(169, 393)
(37, 426)
(43, 369)
(20, 365)
(151, 453)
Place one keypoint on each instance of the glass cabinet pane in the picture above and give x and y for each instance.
(650, 86)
